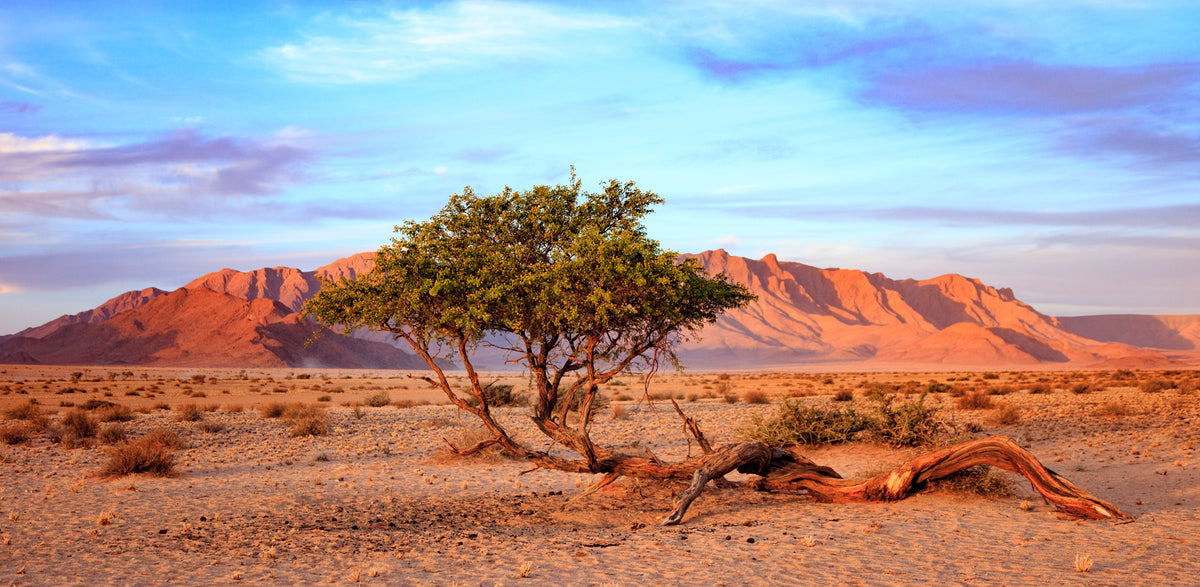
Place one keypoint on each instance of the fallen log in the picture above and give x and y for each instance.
(781, 469)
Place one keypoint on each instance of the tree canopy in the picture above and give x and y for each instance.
(566, 281)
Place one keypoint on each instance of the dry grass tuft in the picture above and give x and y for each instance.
(378, 399)
(305, 420)
(15, 432)
(1114, 408)
(189, 413)
(30, 412)
(1083, 562)
(755, 396)
(144, 455)
(272, 410)
(980, 480)
(112, 433)
(114, 413)
(975, 400)
(1005, 414)
(80, 423)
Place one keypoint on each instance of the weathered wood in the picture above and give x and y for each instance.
(785, 470)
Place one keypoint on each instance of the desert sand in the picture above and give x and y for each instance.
(378, 499)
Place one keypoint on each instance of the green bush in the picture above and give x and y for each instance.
(911, 423)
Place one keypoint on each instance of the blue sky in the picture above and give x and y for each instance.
(1051, 147)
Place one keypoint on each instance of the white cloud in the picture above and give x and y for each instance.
(406, 44)
(11, 143)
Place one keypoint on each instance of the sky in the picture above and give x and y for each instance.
(1050, 147)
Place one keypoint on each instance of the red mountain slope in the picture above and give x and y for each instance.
(803, 314)
(200, 327)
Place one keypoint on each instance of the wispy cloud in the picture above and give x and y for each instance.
(17, 107)
(1183, 216)
(1032, 88)
(405, 44)
(181, 172)
(1143, 143)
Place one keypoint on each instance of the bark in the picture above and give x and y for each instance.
(784, 470)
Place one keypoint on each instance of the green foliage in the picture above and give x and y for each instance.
(911, 423)
(565, 280)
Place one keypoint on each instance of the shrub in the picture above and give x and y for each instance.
(189, 413)
(144, 455)
(1040, 388)
(305, 420)
(15, 433)
(976, 400)
(324, 398)
(910, 423)
(272, 410)
(1005, 415)
(1081, 388)
(1114, 409)
(843, 395)
(1154, 385)
(30, 412)
(166, 438)
(80, 423)
(978, 480)
(755, 396)
(115, 413)
(378, 399)
(210, 427)
(112, 433)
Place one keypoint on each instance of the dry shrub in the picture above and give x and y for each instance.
(30, 412)
(112, 433)
(470, 437)
(305, 420)
(1005, 414)
(1155, 385)
(755, 396)
(378, 400)
(1081, 388)
(619, 412)
(144, 455)
(189, 413)
(15, 432)
(1040, 388)
(843, 395)
(115, 413)
(975, 400)
(234, 408)
(80, 423)
(210, 427)
(165, 437)
(979, 480)
(1114, 409)
(730, 398)
(272, 410)
(324, 398)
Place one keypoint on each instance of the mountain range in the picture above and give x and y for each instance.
(804, 315)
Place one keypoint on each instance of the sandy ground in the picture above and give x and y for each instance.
(378, 500)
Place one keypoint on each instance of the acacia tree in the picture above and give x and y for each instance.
(569, 284)
(566, 281)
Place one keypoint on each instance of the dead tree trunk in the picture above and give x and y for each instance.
(784, 470)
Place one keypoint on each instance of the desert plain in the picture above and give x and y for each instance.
(372, 495)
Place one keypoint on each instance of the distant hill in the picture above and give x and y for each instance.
(202, 328)
(803, 315)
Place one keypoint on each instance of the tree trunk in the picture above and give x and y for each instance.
(781, 469)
